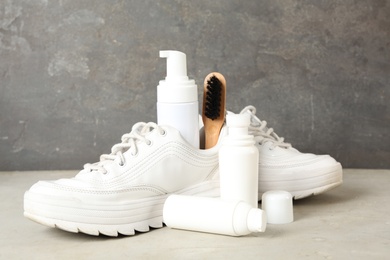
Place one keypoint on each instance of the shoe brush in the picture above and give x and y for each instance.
(214, 103)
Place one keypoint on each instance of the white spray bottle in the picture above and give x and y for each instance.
(177, 98)
(238, 162)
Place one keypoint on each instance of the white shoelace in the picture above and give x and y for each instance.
(262, 133)
(129, 142)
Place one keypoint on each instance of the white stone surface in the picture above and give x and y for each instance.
(349, 222)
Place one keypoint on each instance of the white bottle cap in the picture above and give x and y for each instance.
(238, 123)
(278, 206)
(257, 220)
(177, 87)
(238, 120)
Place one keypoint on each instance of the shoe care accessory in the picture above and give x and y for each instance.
(278, 207)
(238, 162)
(213, 215)
(236, 213)
(214, 100)
(177, 98)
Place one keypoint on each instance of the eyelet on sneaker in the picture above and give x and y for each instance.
(149, 142)
(164, 132)
(121, 164)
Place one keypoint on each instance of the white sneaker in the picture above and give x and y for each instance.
(125, 191)
(282, 167)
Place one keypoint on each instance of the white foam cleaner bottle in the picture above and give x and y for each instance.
(238, 162)
(177, 98)
(213, 215)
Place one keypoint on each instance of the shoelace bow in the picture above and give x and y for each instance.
(262, 133)
(129, 143)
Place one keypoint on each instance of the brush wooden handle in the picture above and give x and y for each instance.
(212, 127)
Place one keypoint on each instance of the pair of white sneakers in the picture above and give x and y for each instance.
(125, 191)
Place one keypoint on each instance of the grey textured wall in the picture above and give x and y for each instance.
(76, 75)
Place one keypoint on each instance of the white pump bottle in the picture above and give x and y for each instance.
(238, 162)
(177, 98)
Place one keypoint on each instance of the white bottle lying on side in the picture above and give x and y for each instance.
(213, 215)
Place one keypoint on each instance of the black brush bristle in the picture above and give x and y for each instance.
(213, 98)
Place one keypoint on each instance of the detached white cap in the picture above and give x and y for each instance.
(177, 87)
(278, 206)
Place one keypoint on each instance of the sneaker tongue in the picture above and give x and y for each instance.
(256, 123)
(259, 129)
(262, 139)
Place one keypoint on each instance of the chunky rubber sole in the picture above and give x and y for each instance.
(307, 184)
(125, 218)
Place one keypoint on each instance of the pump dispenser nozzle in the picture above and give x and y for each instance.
(176, 87)
(176, 65)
